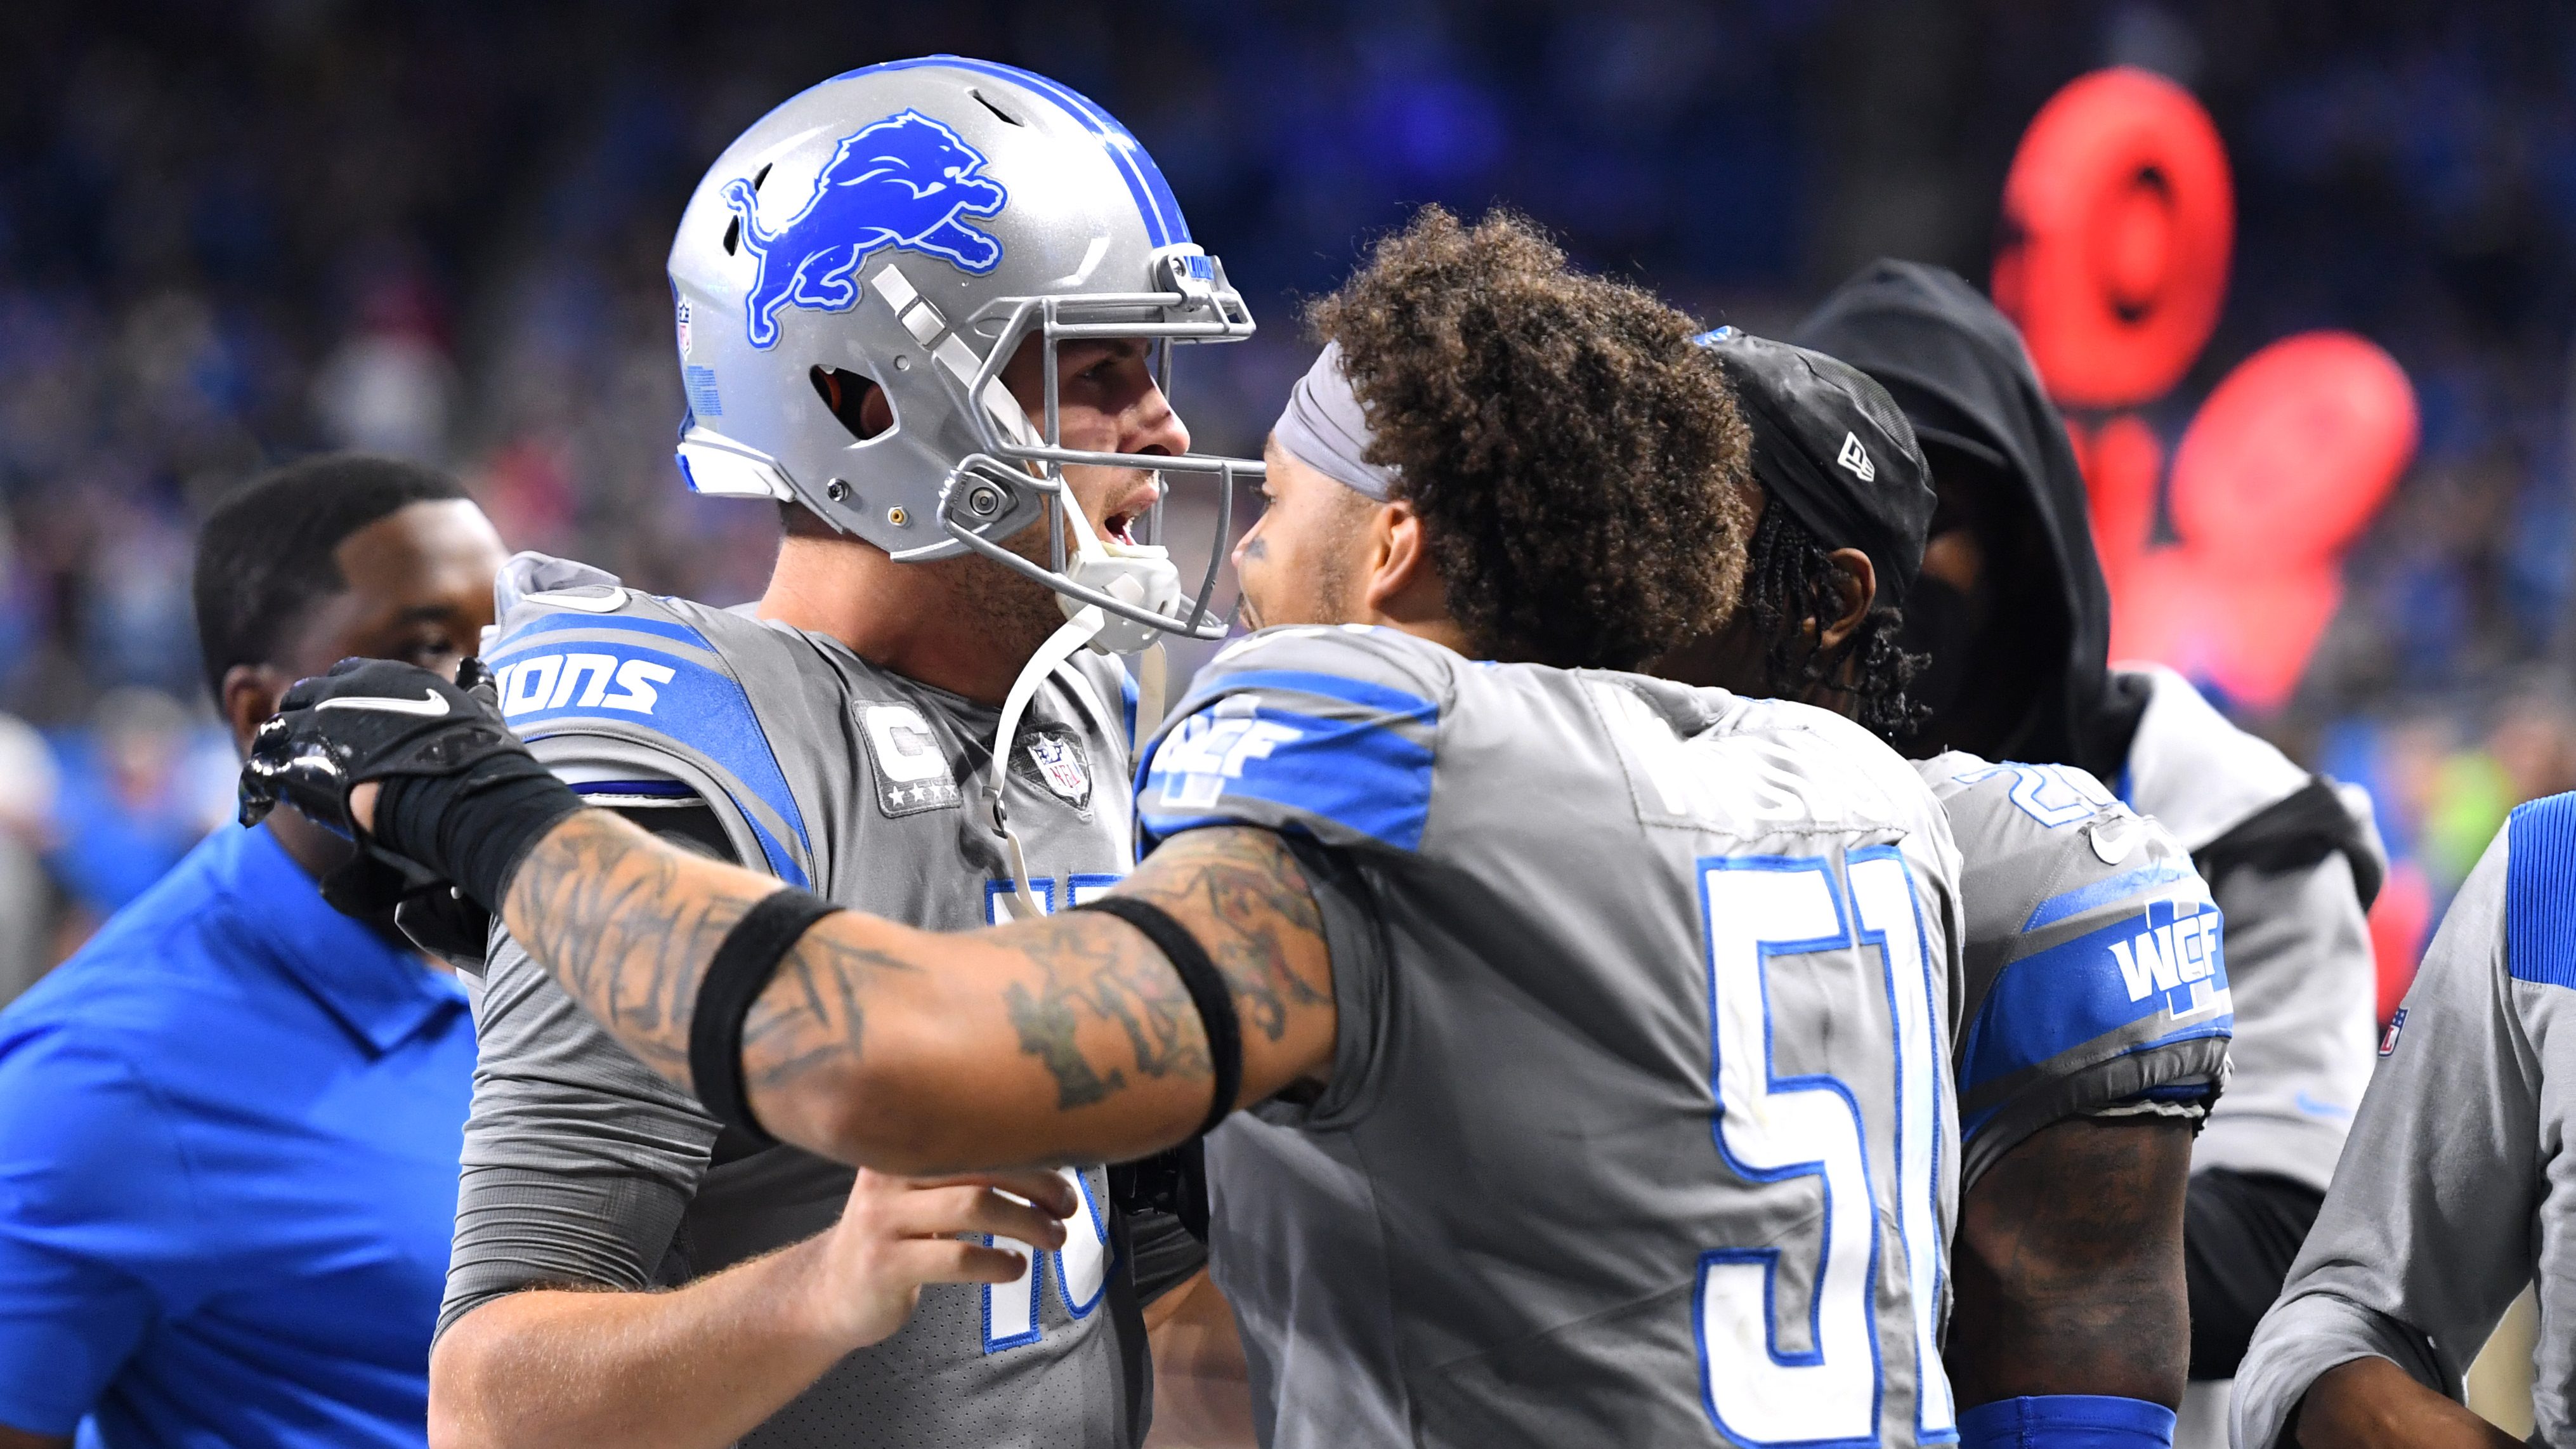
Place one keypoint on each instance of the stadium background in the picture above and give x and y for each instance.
(233, 234)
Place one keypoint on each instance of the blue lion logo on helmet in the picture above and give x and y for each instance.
(905, 181)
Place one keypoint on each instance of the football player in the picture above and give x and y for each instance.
(920, 310)
(1595, 1026)
(2012, 614)
(2454, 1190)
(2096, 1017)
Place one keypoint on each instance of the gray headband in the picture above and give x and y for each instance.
(1326, 429)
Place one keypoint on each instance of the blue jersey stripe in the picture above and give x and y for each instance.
(2054, 1001)
(2084, 898)
(660, 789)
(1300, 769)
(2539, 912)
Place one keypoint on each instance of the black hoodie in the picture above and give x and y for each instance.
(1958, 369)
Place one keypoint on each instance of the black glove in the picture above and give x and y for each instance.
(463, 800)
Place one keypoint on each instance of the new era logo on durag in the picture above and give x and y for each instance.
(1856, 458)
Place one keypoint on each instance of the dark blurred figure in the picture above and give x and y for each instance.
(2012, 612)
(229, 1126)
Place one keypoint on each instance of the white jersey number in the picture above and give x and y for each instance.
(1769, 1378)
(1081, 1266)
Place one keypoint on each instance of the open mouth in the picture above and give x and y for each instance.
(1117, 527)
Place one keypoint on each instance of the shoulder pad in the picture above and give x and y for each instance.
(1326, 731)
(652, 675)
(1359, 654)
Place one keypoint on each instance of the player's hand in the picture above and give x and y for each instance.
(368, 719)
(335, 738)
(898, 1233)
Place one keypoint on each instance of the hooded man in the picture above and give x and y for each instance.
(2013, 616)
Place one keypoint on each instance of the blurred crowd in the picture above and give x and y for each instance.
(231, 235)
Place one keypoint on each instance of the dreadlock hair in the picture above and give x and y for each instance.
(1578, 463)
(1792, 579)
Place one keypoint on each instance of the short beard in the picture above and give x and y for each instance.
(1014, 610)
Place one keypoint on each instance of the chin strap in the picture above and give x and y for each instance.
(1138, 573)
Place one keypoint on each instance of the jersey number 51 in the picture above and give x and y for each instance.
(1789, 945)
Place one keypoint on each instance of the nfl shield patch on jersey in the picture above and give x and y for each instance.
(1052, 757)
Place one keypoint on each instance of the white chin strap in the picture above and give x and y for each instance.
(1137, 573)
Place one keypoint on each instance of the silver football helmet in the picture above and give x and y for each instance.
(906, 227)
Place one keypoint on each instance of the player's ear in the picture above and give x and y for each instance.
(249, 696)
(1398, 560)
(1855, 588)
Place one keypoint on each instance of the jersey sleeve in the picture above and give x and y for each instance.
(2426, 1233)
(1324, 733)
(99, 1225)
(2096, 968)
(578, 1162)
(630, 700)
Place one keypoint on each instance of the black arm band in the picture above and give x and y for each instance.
(745, 961)
(1208, 992)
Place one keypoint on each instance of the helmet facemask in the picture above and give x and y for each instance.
(1135, 583)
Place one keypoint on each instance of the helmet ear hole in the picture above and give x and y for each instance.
(856, 401)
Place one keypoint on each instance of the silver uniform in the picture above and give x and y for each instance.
(1637, 1129)
(2298, 943)
(583, 1167)
(2096, 971)
(2459, 1184)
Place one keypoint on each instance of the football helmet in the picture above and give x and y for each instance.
(906, 227)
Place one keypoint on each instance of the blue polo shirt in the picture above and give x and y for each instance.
(229, 1132)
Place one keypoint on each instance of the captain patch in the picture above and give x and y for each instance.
(913, 773)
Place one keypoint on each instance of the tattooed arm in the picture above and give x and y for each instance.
(2068, 1271)
(1064, 1039)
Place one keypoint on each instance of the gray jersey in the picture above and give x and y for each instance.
(2459, 1184)
(2298, 944)
(2096, 973)
(581, 1166)
(1638, 1127)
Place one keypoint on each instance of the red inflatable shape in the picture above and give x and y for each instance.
(2119, 217)
(2293, 453)
(2123, 463)
(2398, 921)
(2248, 632)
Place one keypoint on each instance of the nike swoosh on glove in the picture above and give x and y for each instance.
(463, 800)
(368, 719)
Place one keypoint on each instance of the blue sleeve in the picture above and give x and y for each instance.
(98, 1225)
(1330, 734)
